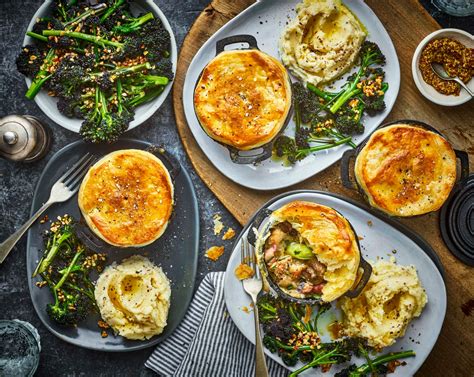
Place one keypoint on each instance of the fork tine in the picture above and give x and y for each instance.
(72, 169)
(242, 256)
(78, 171)
(84, 169)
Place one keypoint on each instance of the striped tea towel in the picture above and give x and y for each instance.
(207, 343)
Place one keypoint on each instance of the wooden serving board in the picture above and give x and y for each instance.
(407, 23)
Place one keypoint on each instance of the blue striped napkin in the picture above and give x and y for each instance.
(207, 343)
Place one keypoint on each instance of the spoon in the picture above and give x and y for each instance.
(439, 70)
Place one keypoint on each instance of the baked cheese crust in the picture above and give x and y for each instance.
(331, 238)
(126, 198)
(406, 170)
(243, 98)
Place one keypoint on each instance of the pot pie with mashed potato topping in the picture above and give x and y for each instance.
(126, 198)
(406, 170)
(243, 98)
(310, 251)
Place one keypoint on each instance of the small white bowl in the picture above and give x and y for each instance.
(427, 90)
(48, 104)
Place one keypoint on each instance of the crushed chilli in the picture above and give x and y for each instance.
(457, 60)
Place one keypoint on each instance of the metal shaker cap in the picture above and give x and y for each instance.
(22, 138)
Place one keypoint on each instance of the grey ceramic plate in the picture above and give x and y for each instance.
(176, 251)
(380, 236)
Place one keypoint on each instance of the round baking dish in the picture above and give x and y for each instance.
(262, 152)
(348, 155)
(257, 230)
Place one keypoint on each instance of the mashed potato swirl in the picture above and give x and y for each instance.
(134, 298)
(392, 298)
(322, 41)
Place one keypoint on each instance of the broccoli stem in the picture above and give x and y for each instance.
(42, 76)
(327, 145)
(111, 10)
(90, 12)
(324, 358)
(69, 269)
(320, 93)
(86, 37)
(51, 254)
(135, 24)
(146, 97)
(365, 368)
(37, 36)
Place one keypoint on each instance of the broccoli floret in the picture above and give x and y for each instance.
(67, 78)
(163, 67)
(307, 102)
(347, 120)
(99, 124)
(30, 60)
(285, 147)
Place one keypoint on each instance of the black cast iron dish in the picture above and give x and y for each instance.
(456, 221)
(353, 153)
(266, 149)
(175, 251)
(264, 214)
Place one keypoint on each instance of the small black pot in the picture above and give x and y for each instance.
(97, 244)
(263, 214)
(265, 151)
(350, 154)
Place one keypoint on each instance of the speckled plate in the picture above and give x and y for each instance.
(176, 251)
(382, 238)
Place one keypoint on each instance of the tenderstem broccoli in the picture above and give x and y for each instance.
(86, 37)
(42, 76)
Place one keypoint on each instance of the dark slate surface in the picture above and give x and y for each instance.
(17, 183)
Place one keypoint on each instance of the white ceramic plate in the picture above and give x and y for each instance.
(48, 104)
(427, 90)
(265, 20)
(378, 241)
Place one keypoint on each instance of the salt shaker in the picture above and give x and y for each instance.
(23, 138)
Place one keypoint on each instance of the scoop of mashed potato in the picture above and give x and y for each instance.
(391, 299)
(322, 41)
(134, 298)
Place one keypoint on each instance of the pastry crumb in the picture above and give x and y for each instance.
(369, 223)
(103, 324)
(244, 271)
(229, 234)
(218, 225)
(104, 334)
(215, 252)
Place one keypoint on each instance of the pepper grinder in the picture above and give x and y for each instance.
(23, 138)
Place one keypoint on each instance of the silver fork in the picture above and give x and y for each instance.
(253, 286)
(64, 188)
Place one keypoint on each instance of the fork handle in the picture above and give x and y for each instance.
(7, 245)
(260, 362)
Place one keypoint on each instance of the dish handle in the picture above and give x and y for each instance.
(257, 221)
(345, 174)
(241, 38)
(363, 280)
(174, 166)
(464, 160)
(237, 158)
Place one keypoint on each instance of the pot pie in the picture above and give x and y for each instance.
(406, 170)
(310, 251)
(243, 98)
(126, 198)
